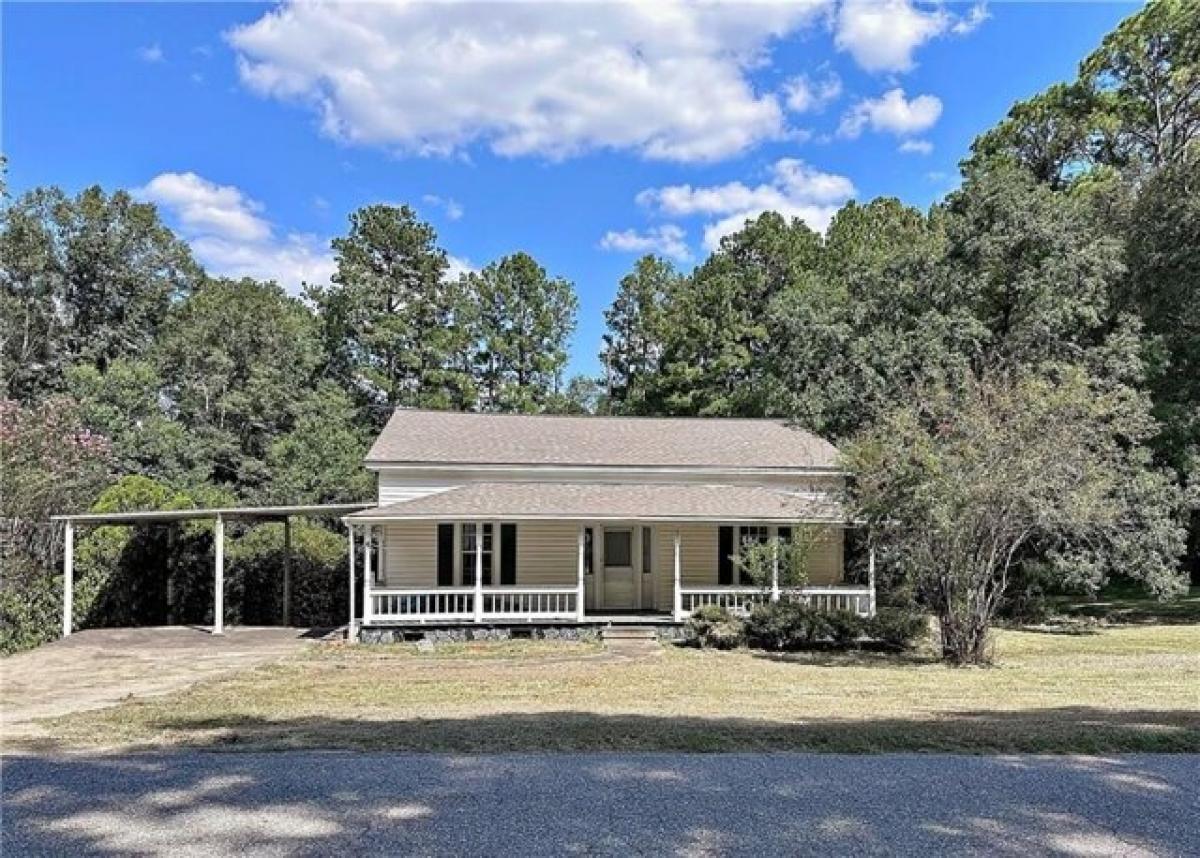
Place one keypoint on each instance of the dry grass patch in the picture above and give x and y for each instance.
(1120, 689)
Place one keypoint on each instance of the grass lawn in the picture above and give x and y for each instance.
(1131, 688)
(1127, 602)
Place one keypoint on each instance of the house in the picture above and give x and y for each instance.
(513, 519)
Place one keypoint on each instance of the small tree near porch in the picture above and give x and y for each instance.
(964, 483)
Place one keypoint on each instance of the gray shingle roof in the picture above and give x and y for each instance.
(445, 437)
(598, 501)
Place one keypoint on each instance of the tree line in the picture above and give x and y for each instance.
(1014, 374)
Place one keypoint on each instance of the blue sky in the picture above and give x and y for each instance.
(581, 133)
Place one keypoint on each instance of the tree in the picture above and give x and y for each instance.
(236, 359)
(525, 320)
(87, 279)
(633, 345)
(969, 481)
(396, 329)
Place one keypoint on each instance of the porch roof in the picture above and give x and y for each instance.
(601, 502)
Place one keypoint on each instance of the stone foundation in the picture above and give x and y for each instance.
(462, 634)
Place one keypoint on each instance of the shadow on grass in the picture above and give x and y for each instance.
(1128, 604)
(1061, 730)
(330, 804)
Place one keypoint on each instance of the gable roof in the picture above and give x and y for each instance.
(447, 437)
(611, 501)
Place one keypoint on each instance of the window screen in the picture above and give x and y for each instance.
(618, 548)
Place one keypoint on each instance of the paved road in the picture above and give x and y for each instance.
(314, 803)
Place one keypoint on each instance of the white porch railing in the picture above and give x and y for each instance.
(457, 604)
(740, 600)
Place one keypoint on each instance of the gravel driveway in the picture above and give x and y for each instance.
(314, 803)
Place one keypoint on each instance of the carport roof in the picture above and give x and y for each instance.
(168, 515)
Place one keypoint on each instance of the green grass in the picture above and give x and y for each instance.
(1132, 688)
(1126, 602)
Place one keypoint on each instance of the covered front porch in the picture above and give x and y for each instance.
(580, 554)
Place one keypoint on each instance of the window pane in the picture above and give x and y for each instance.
(618, 548)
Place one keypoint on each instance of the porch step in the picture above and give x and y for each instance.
(628, 633)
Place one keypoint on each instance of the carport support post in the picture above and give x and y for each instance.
(350, 636)
(219, 577)
(68, 578)
(287, 570)
(579, 592)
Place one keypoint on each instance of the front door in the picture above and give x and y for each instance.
(620, 578)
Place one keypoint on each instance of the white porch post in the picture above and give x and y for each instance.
(368, 574)
(68, 621)
(775, 569)
(478, 572)
(678, 581)
(350, 636)
(871, 578)
(580, 593)
(218, 627)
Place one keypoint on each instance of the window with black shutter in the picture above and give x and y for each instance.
(508, 555)
(725, 556)
(445, 555)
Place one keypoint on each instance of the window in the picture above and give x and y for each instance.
(618, 548)
(468, 541)
(647, 550)
(589, 551)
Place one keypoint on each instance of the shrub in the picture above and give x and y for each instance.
(897, 628)
(787, 626)
(845, 628)
(713, 626)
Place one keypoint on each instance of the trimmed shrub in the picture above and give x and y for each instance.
(787, 626)
(897, 628)
(713, 626)
(845, 628)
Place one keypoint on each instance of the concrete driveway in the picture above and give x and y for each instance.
(99, 667)
(335, 803)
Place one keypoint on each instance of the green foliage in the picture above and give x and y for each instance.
(757, 563)
(713, 626)
(255, 580)
(525, 319)
(633, 345)
(897, 628)
(786, 626)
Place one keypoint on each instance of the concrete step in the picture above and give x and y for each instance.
(640, 633)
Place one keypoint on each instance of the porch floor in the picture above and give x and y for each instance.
(591, 620)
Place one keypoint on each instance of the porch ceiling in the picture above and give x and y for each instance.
(601, 502)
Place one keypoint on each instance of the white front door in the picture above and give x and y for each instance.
(618, 573)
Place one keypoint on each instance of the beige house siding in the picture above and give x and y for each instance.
(547, 555)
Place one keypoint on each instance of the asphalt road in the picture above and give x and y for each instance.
(314, 803)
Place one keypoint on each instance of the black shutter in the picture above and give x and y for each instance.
(445, 555)
(508, 555)
(785, 534)
(725, 556)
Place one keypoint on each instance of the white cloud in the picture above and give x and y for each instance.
(802, 94)
(151, 54)
(231, 238)
(893, 113)
(667, 80)
(882, 35)
(916, 147)
(458, 267)
(449, 206)
(666, 240)
(794, 190)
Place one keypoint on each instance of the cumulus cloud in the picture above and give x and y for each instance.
(794, 189)
(803, 94)
(916, 147)
(665, 240)
(883, 35)
(893, 113)
(449, 206)
(230, 237)
(151, 54)
(458, 267)
(666, 80)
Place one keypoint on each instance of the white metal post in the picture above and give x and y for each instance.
(350, 636)
(218, 627)
(678, 581)
(871, 577)
(580, 593)
(368, 600)
(287, 570)
(68, 621)
(478, 572)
